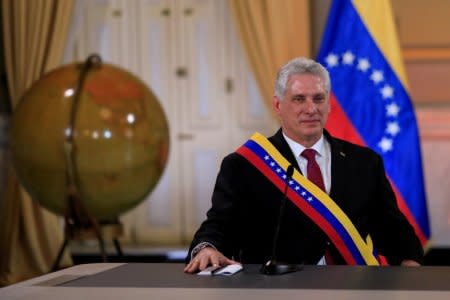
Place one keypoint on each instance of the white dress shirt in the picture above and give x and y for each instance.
(323, 158)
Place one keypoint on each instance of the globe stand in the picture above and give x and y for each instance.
(105, 229)
(79, 223)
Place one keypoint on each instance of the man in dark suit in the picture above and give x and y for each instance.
(241, 223)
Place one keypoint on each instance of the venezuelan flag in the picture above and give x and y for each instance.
(370, 104)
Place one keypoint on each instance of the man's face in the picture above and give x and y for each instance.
(304, 109)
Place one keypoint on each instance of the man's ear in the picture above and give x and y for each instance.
(276, 104)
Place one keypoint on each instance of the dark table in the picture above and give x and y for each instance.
(167, 281)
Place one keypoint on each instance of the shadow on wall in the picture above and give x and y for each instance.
(4, 125)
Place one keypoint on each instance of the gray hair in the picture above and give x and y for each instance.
(300, 65)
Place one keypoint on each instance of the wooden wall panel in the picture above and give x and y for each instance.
(434, 127)
(422, 23)
(429, 82)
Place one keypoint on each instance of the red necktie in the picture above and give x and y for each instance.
(315, 175)
(313, 171)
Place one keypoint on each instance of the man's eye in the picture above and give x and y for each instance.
(319, 99)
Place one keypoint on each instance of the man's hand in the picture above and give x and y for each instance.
(207, 256)
(410, 263)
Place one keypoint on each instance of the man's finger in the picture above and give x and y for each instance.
(203, 263)
(192, 266)
(215, 261)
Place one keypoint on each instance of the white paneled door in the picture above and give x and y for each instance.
(188, 52)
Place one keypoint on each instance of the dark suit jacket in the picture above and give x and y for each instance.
(245, 208)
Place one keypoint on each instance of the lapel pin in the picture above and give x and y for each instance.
(342, 154)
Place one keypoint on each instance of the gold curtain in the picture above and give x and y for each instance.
(272, 32)
(34, 36)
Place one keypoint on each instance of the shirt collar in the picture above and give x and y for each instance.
(297, 148)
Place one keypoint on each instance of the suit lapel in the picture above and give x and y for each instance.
(280, 143)
(338, 165)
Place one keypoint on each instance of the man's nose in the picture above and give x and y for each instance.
(311, 107)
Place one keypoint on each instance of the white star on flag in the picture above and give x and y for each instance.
(278, 170)
(272, 164)
(266, 157)
(392, 109)
(363, 64)
(309, 199)
(393, 128)
(348, 58)
(332, 60)
(377, 76)
(387, 91)
(297, 188)
(291, 182)
(284, 176)
(385, 144)
(303, 193)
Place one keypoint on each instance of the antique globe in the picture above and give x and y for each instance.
(92, 127)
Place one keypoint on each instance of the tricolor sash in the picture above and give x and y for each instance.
(311, 200)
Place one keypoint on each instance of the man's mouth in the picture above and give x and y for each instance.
(309, 121)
